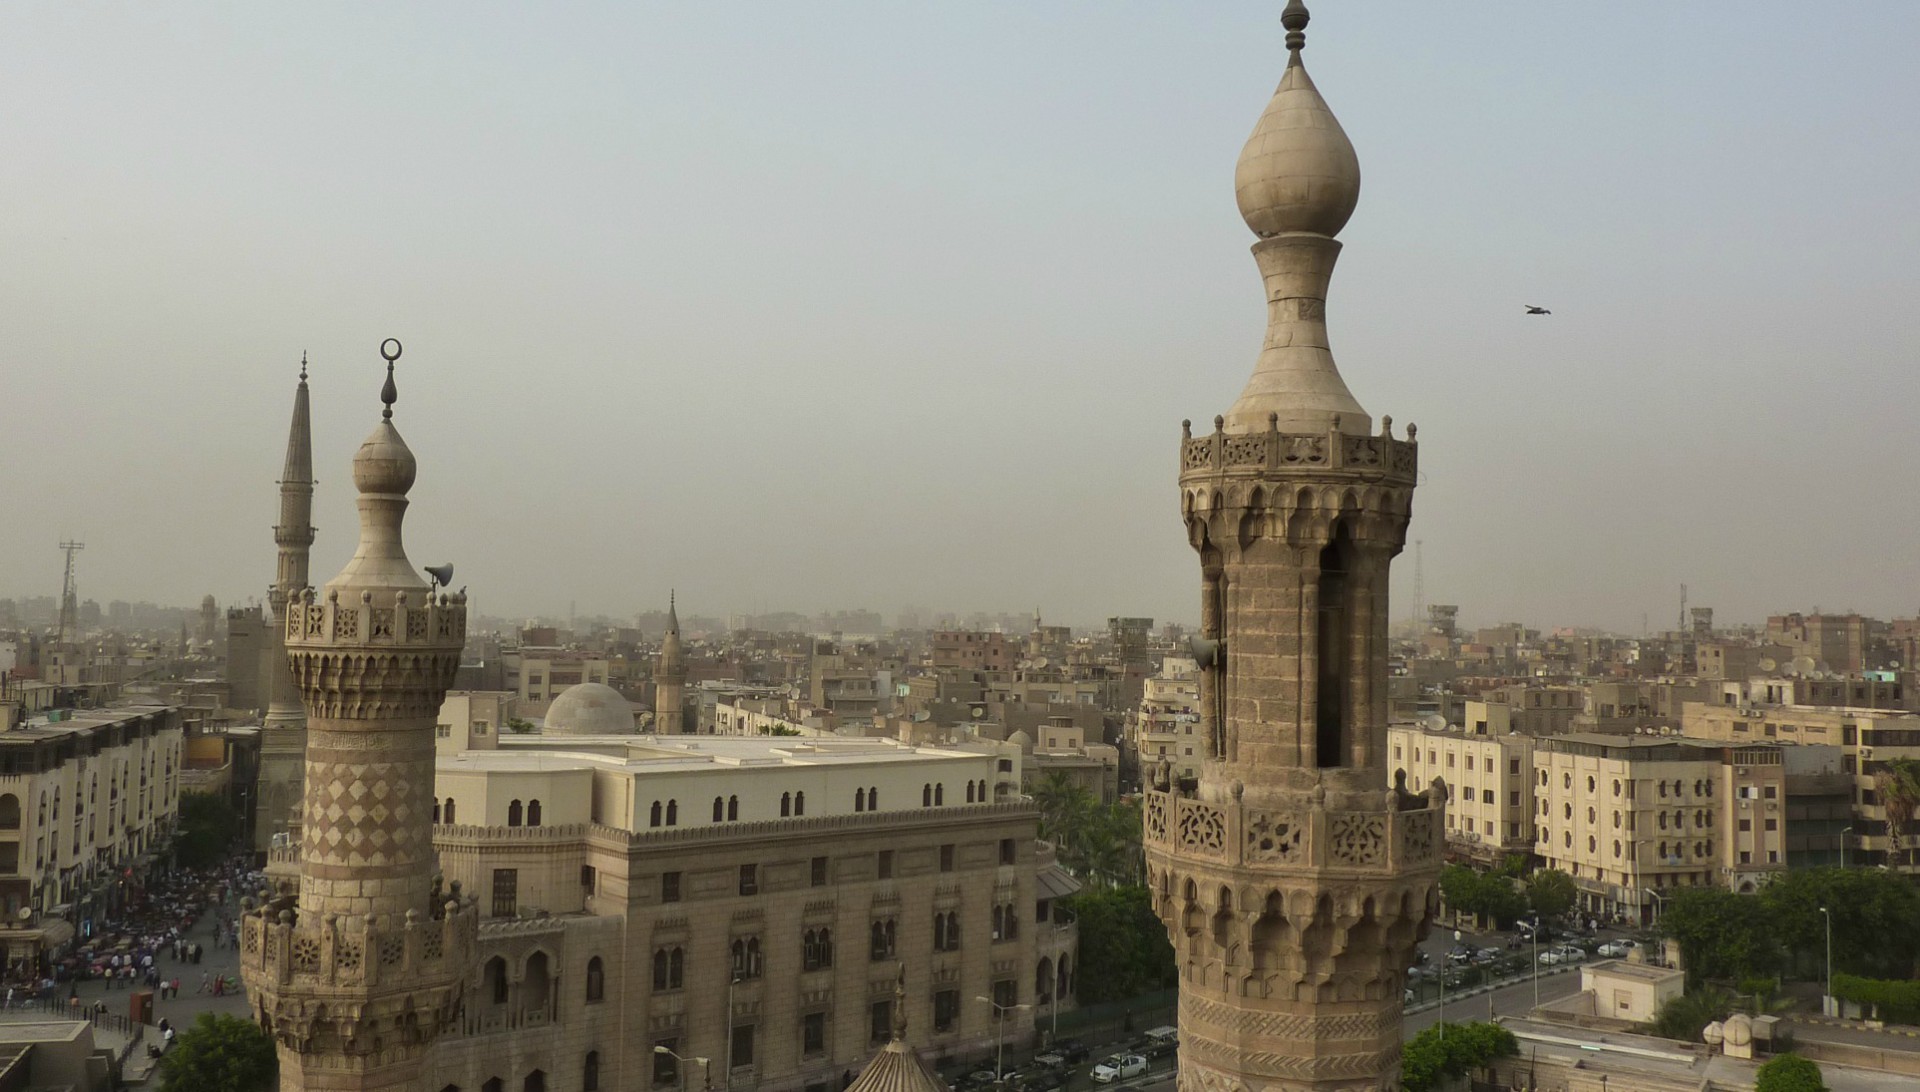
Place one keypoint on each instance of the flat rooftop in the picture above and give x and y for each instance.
(668, 754)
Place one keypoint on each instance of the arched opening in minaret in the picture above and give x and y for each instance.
(1332, 650)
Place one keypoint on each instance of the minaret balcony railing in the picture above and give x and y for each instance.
(1255, 454)
(1384, 842)
(409, 619)
(284, 951)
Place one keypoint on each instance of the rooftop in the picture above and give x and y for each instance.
(666, 754)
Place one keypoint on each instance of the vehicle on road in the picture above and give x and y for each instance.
(1158, 1042)
(1073, 1050)
(1118, 1068)
(1551, 957)
(1571, 953)
(1617, 949)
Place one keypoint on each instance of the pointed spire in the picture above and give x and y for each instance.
(303, 365)
(299, 466)
(673, 614)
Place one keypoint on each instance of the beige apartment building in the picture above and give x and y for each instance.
(1866, 739)
(1491, 778)
(747, 900)
(83, 795)
(1166, 727)
(1633, 818)
(542, 678)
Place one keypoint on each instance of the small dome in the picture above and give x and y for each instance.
(590, 709)
(1298, 171)
(384, 463)
(1021, 740)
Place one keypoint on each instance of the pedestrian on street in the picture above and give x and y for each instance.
(206, 981)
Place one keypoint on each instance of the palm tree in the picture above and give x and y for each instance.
(1898, 783)
(1066, 812)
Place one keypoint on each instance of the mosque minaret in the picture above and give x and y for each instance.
(1293, 881)
(357, 974)
(283, 738)
(670, 678)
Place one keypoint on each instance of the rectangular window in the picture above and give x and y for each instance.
(1770, 792)
(946, 857)
(749, 879)
(881, 1029)
(819, 876)
(1009, 851)
(813, 1033)
(1005, 994)
(588, 879)
(1746, 824)
(886, 864)
(1773, 824)
(666, 1068)
(506, 892)
(742, 1053)
(946, 1010)
(669, 887)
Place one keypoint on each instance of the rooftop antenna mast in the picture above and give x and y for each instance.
(69, 597)
(1682, 627)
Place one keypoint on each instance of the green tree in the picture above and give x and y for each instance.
(1124, 949)
(1482, 895)
(1873, 914)
(1722, 935)
(1551, 893)
(1686, 1016)
(219, 1053)
(1898, 783)
(519, 726)
(1447, 1052)
(1789, 1073)
(209, 825)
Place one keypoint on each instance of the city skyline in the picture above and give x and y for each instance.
(926, 356)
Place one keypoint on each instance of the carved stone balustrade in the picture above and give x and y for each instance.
(1274, 453)
(1384, 842)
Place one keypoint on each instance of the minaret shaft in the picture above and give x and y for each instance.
(283, 735)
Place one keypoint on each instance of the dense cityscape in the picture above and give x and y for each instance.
(354, 832)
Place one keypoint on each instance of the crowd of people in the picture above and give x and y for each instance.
(147, 944)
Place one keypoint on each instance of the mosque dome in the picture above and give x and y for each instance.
(1021, 740)
(1298, 171)
(590, 709)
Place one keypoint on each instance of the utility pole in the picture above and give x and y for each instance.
(69, 596)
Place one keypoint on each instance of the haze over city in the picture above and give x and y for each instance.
(861, 305)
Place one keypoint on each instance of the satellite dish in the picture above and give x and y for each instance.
(1433, 722)
(1768, 665)
(25, 914)
(1802, 665)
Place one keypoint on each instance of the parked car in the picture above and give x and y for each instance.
(1073, 1050)
(1551, 957)
(1617, 949)
(1462, 953)
(1570, 953)
(1052, 1059)
(1159, 1042)
(1119, 1068)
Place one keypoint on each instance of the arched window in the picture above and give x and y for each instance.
(969, 792)
(536, 983)
(816, 949)
(733, 808)
(669, 968)
(536, 1082)
(513, 813)
(653, 815)
(719, 808)
(926, 796)
(873, 798)
(1043, 980)
(1333, 650)
(436, 813)
(596, 981)
(939, 795)
(494, 1084)
(673, 813)
(533, 813)
(449, 811)
(859, 800)
(496, 978)
(786, 804)
(590, 1072)
(800, 802)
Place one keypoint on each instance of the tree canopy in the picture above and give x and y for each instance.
(1727, 936)
(1100, 843)
(220, 1053)
(1789, 1073)
(209, 824)
(1686, 1016)
(1487, 895)
(1447, 1052)
(1551, 893)
(1124, 949)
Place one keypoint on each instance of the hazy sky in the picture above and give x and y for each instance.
(814, 305)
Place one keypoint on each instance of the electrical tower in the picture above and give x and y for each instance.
(69, 596)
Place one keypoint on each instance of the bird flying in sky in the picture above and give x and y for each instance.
(1532, 310)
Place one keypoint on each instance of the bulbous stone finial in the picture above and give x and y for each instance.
(389, 394)
(1295, 19)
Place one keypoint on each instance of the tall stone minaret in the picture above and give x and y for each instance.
(358, 973)
(670, 678)
(283, 739)
(1293, 880)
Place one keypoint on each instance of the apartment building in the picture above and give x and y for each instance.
(1167, 726)
(1490, 776)
(85, 795)
(1632, 818)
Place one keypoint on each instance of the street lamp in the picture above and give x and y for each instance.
(1825, 913)
(706, 1071)
(1536, 961)
(1844, 831)
(999, 1034)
